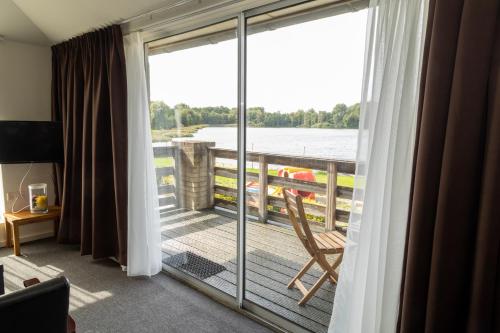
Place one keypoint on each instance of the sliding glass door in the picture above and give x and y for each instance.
(242, 110)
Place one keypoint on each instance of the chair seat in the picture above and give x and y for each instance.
(330, 242)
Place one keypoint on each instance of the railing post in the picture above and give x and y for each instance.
(211, 177)
(331, 196)
(177, 177)
(263, 189)
(192, 172)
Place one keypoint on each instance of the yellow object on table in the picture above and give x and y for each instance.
(41, 202)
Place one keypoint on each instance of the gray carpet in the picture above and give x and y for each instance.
(104, 299)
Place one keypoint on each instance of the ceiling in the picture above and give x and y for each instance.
(14, 25)
(49, 22)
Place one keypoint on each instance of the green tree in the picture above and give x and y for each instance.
(165, 117)
(256, 116)
(161, 115)
(351, 118)
(337, 117)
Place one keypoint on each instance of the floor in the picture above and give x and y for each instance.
(103, 299)
(274, 256)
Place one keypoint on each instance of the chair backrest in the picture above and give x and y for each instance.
(297, 215)
(40, 308)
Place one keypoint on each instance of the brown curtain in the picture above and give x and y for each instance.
(89, 95)
(452, 265)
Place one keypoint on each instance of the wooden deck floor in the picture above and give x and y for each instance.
(274, 256)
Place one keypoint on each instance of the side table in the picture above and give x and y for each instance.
(14, 220)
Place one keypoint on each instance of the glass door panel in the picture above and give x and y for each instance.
(193, 93)
(304, 74)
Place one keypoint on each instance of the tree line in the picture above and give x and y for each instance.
(166, 117)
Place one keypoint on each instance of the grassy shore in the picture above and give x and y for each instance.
(321, 177)
(164, 162)
(342, 180)
(169, 134)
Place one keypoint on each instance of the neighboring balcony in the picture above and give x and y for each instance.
(198, 207)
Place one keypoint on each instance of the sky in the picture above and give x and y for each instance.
(309, 65)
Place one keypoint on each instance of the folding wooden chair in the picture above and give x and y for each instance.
(318, 245)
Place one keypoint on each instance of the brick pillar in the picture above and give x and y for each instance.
(193, 172)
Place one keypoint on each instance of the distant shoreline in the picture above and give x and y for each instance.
(250, 126)
(166, 135)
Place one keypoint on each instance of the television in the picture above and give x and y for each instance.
(31, 142)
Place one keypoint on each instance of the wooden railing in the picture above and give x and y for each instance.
(166, 189)
(261, 205)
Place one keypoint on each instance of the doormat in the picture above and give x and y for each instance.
(194, 264)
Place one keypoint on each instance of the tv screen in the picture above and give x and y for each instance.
(30, 141)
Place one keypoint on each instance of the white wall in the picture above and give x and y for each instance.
(25, 78)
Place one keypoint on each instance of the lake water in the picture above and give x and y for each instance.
(313, 142)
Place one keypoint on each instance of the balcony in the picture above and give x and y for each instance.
(198, 209)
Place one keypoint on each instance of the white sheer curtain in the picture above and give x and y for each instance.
(367, 295)
(144, 236)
